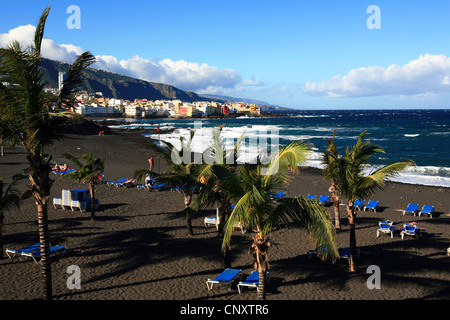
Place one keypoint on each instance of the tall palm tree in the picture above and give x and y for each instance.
(182, 172)
(89, 172)
(26, 111)
(331, 160)
(222, 186)
(355, 183)
(259, 212)
(8, 197)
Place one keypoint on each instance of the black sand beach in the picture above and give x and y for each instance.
(138, 249)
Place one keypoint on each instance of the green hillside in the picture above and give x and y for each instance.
(114, 85)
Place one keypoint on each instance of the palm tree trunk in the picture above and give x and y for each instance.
(223, 217)
(46, 270)
(227, 257)
(92, 192)
(337, 215)
(187, 203)
(262, 283)
(1, 236)
(259, 245)
(351, 220)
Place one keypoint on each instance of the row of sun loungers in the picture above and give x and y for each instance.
(229, 276)
(414, 208)
(411, 208)
(34, 252)
(409, 229)
(127, 183)
(74, 199)
(322, 199)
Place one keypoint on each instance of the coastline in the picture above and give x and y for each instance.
(138, 249)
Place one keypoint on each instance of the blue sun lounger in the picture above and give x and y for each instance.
(36, 255)
(386, 227)
(63, 172)
(410, 229)
(277, 196)
(371, 205)
(118, 182)
(158, 187)
(427, 210)
(225, 278)
(17, 252)
(252, 281)
(358, 204)
(323, 199)
(412, 208)
(318, 251)
(310, 197)
(344, 253)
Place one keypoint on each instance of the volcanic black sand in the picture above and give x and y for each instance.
(138, 248)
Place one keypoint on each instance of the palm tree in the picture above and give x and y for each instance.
(182, 173)
(222, 186)
(259, 212)
(26, 112)
(355, 183)
(8, 197)
(331, 171)
(90, 172)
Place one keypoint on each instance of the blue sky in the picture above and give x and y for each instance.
(297, 54)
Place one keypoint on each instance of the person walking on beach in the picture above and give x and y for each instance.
(150, 162)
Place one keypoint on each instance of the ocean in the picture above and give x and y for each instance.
(419, 135)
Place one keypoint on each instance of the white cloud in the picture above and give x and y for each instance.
(185, 75)
(22, 34)
(427, 74)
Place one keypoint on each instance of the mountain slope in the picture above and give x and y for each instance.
(114, 85)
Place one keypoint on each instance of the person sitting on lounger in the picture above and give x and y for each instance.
(148, 181)
(57, 167)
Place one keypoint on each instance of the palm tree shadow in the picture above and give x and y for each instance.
(109, 206)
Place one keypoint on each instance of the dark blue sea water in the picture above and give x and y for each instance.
(419, 135)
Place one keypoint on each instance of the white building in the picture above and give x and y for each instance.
(115, 102)
(133, 111)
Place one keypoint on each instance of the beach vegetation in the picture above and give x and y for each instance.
(356, 182)
(89, 172)
(9, 196)
(31, 120)
(256, 209)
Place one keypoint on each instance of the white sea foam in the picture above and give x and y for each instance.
(411, 135)
(423, 175)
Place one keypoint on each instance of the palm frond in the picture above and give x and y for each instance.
(74, 78)
(318, 225)
(39, 33)
(11, 195)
